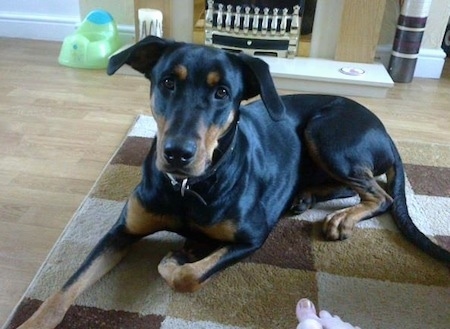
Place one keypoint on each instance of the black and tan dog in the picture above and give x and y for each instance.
(222, 174)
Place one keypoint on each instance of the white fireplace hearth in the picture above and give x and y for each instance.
(318, 75)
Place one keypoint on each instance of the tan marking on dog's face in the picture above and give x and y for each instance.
(213, 134)
(213, 78)
(160, 161)
(186, 277)
(207, 145)
(223, 231)
(161, 124)
(181, 72)
(139, 221)
(160, 121)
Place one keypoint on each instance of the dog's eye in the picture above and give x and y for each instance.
(221, 93)
(169, 83)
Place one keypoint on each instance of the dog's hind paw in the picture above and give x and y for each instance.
(302, 203)
(339, 225)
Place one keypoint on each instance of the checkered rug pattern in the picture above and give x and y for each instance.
(376, 279)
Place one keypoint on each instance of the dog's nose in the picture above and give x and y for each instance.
(179, 152)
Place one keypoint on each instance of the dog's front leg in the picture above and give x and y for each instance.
(134, 223)
(108, 252)
(184, 274)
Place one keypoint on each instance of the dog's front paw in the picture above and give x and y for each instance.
(338, 225)
(180, 277)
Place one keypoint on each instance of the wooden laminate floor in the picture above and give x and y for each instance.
(59, 127)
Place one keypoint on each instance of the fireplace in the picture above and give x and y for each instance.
(318, 65)
(266, 28)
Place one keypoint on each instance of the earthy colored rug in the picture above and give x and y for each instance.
(375, 279)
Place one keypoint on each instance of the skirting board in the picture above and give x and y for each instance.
(430, 62)
(40, 27)
(52, 28)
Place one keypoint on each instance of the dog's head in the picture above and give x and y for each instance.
(195, 96)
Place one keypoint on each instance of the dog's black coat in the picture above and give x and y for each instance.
(222, 174)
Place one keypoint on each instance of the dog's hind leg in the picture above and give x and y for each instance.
(133, 224)
(351, 146)
(374, 201)
(308, 197)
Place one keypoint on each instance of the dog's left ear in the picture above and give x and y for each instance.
(258, 81)
(142, 56)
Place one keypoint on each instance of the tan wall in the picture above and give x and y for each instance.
(391, 13)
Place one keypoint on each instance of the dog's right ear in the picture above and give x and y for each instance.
(142, 56)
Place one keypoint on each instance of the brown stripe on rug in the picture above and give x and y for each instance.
(81, 317)
(428, 180)
(376, 279)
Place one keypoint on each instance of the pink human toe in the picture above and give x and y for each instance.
(306, 315)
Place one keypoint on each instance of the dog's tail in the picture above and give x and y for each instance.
(396, 188)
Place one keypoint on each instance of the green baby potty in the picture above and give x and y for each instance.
(93, 42)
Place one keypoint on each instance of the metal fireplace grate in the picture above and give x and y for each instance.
(250, 29)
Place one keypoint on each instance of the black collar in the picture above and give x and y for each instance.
(223, 151)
